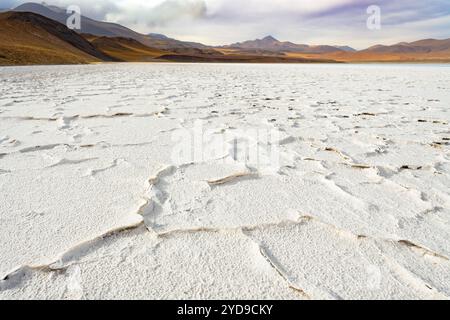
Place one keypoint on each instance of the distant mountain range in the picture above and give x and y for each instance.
(346, 48)
(36, 34)
(269, 43)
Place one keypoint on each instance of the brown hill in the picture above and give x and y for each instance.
(124, 49)
(421, 46)
(28, 38)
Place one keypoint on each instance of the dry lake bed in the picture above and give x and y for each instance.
(209, 181)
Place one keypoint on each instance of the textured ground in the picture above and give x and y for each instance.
(96, 203)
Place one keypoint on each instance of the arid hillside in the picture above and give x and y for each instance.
(28, 38)
(124, 49)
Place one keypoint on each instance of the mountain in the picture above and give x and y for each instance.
(158, 36)
(421, 46)
(29, 38)
(346, 48)
(269, 43)
(124, 49)
(107, 29)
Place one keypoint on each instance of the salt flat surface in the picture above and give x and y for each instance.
(104, 195)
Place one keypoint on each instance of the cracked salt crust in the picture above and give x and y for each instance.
(93, 205)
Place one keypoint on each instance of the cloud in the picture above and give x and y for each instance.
(159, 13)
(97, 9)
(8, 4)
(171, 10)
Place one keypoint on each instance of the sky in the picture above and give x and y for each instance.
(219, 22)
